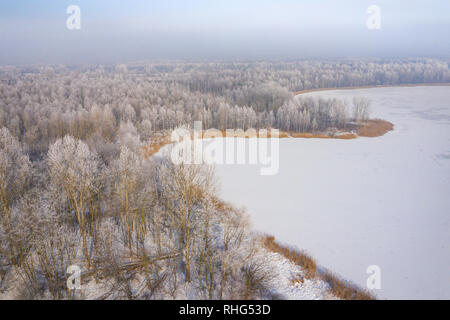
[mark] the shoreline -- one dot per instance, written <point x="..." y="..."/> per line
<point x="153" y="148"/>
<point x="371" y="128"/>
<point x="340" y="287"/>
<point x="387" y="126"/>
<point x="431" y="84"/>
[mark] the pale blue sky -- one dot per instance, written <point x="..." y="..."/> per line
<point x="119" y="31"/>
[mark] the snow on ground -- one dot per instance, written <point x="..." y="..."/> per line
<point x="370" y="201"/>
<point x="283" y="287"/>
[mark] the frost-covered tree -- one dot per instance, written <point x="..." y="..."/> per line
<point x="186" y="187"/>
<point x="132" y="193"/>
<point x="15" y="174"/>
<point x="77" y="172"/>
<point x="361" y="108"/>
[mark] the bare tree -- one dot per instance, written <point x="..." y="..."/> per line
<point x="361" y="109"/>
<point x="186" y="187"/>
<point x="77" y="172"/>
<point x="15" y="173"/>
<point x="133" y="189"/>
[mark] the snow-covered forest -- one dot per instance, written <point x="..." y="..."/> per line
<point x="76" y="189"/>
<point x="101" y="104"/>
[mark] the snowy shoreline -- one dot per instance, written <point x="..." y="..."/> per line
<point x="376" y="192"/>
<point x="406" y="85"/>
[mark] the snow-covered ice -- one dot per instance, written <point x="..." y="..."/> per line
<point x="370" y="201"/>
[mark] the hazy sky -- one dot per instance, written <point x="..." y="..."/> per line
<point x="120" y="31"/>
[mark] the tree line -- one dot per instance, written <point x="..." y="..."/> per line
<point x="102" y="104"/>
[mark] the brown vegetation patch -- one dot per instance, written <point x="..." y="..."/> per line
<point x="281" y="134"/>
<point x="346" y="135"/>
<point x="309" y="135"/>
<point x="296" y="280"/>
<point x="338" y="287"/>
<point x="375" y="128"/>
<point x="344" y="289"/>
<point x="155" y="146"/>
<point x="299" y="258"/>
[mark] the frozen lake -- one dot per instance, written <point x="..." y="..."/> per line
<point x="371" y="201"/>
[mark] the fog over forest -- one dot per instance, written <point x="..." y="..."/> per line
<point x="117" y="32"/>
